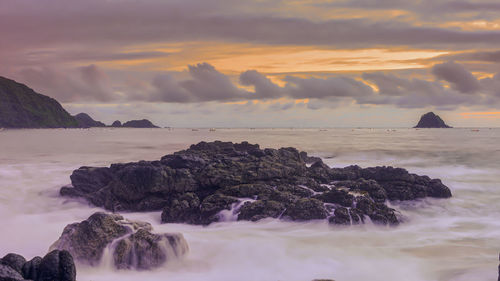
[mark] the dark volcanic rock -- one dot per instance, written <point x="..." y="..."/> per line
<point x="86" y="240"/>
<point x="145" y="250"/>
<point x="117" y="123"/>
<point x="85" y="121"/>
<point x="306" y="209"/>
<point x="14" y="261"/>
<point x="31" y="268"/>
<point x="195" y="185"/>
<point x="261" y="209"/>
<point x="144" y="123"/>
<point x="7" y="273"/>
<point x="136" y="247"/>
<point x="55" y="266"/>
<point x="21" y="107"/>
<point x="431" y="120"/>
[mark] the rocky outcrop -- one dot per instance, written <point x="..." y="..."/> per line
<point x="144" y="123"/>
<point x="21" y="107"/>
<point x="85" y="121"/>
<point x="431" y="120"/>
<point x="55" y="266"/>
<point x="117" y="123"/>
<point x="208" y="181"/>
<point x="131" y="243"/>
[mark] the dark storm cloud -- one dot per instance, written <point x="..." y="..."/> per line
<point x="456" y="74"/>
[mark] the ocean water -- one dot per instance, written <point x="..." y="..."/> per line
<point x="441" y="239"/>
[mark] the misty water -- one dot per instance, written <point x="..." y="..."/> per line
<point x="441" y="239"/>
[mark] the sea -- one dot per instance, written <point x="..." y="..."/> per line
<point x="456" y="239"/>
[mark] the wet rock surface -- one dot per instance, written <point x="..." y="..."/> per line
<point x="131" y="243"/>
<point x="198" y="184"/>
<point x="55" y="266"/>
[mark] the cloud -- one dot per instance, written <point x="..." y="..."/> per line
<point x="482" y="56"/>
<point x="264" y="88"/>
<point x="205" y="84"/>
<point x="332" y="87"/>
<point x="456" y="74"/>
<point x="110" y="24"/>
<point x="81" y="84"/>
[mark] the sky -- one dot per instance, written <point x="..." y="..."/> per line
<point x="262" y="63"/>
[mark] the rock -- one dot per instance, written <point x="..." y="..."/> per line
<point x="196" y="184"/>
<point x="431" y="120"/>
<point x="131" y="243"/>
<point x="117" y="123"/>
<point x="144" y="250"/>
<point x="185" y="208"/>
<point x="85" y="121"/>
<point x="57" y="266"/>
<point x="261" y="209"/>
<point x="212" y="205"/>
<point x="30" y="268"/>
<point x="21" y="107"/>
<point x="87" y="240"/>
<point x="14" y="261"/>
<point x="343" y="216"/>
<point x="336" y="196"/>
<point x="306" y="209"/>
<point x="144" y="123"/>
<point x="7" y="273"/>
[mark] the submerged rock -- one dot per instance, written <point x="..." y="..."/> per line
<point x="131" y="243"/>
<point x="431" y="120"/>
<point x="55" y="266"/>
<point x="195" y="185"/>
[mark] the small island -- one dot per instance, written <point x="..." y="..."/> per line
<point x="431" y="120"/>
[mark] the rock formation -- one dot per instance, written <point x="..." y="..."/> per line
<point x="131" y="243"/>
<point x="85" y="121"/>
<point x="21" y="107"/>
<point x="195" y="185"/>
<point x="117" y="123"/>
<point x="55" y="266"/>
<point x="431" y="120"/>
<point x="144" y="123"/>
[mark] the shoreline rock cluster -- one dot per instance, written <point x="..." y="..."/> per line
<point x="199" y="184"/>
<point x="55" y="266"/>
<point x="131" y="243"/>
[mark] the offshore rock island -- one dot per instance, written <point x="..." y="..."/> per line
<point x="431" y="120"/>
<point x="220" y="181"/>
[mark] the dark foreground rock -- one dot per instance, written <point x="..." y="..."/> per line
<point x="55" y="266"/>
<point x="195" y="185"/>
<point x="131" y="243"/>
<point x="431" y="120"/>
